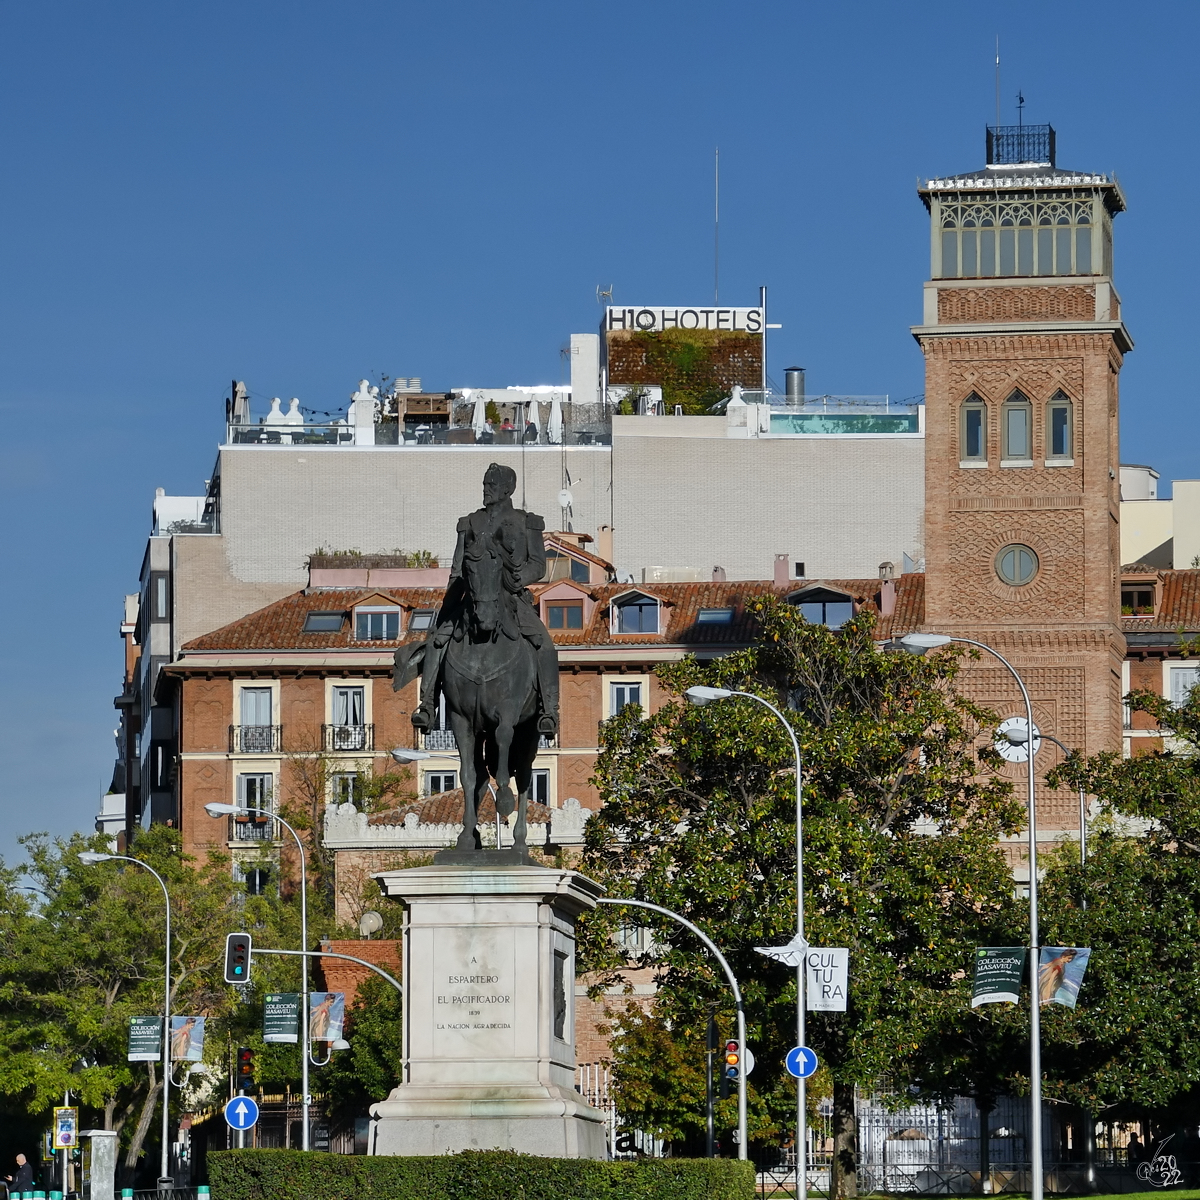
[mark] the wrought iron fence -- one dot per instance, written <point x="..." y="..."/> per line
<point x="251" y="827"/>
<point x="1020" y="144"/>
<point x="439" y="739"/>
<point x="348" y="737"/>
<point x="255" y="739"/>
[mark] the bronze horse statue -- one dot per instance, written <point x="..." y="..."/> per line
<point x="490" y="657"/>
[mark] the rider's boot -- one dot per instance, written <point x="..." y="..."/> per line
<point x="547" y="661"/>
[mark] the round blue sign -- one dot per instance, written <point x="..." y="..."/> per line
<point x="241" y="1112"/>
<point x="801" y="1062"/>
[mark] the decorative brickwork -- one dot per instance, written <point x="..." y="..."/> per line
<point x="1004" y="304"/>
<point x="1061" y="630"/>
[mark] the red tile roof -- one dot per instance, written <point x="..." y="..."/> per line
<point x="280" y="626"/>
<point x="1178" y="606"/>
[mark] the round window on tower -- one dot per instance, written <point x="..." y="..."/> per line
<point x="1016" y="565"/>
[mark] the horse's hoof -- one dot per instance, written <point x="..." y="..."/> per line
<point x="505" y="800"/>
<point x="466" y="841"/>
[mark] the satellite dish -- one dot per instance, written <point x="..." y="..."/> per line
<point x="370" y="922"/>
<point x="564" y="499"/>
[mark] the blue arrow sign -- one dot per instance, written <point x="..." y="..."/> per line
<point x="241" y="1112"/>
<point x="801" y="1062"/>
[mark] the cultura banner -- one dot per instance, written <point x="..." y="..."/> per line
<point x="998" y="974"/>
<point x="1060" y="973"/>
<point x="827" y="979"/>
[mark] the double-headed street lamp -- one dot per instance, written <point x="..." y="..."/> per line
<point x="704" y="695"/>
<point x="89" y="857"/>
<point x="919" y="643"/>
<point x="222" y="810"/>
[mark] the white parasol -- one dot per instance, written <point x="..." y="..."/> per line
<point x="479" y="415"/>
<point x="554" y="427"/>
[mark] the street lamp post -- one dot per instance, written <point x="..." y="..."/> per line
<point x="221" y="810"/>
<point x="701" y="695"/>
<point x="743" y="1148"/>
<point x="919" y="643"/>
<point x="165" y="1180"/>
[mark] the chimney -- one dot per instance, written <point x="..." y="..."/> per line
<point x="718" y="575"/>
<point x="887" y="589"/>
<point x="781" y="570"/>
<point x="794" y="386"/>
<point x="604" y="542"/>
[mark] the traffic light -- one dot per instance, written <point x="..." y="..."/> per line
<point x="237" y="958"/>
<point x="731" y="1066"/>
<point x="245" y="1070"/>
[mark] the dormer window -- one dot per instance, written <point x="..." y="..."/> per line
<point x="564" y="615"/>
<point x="323" y="622"/>
<point x="376" y="624"/>
<point x="823" y="606"/>
<point x="635" y="614"/>
<point x="564" y="566"/>
<point x="1137" y="598"/>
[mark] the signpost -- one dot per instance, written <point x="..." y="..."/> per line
<point x="801" y="1062"/>
<point x="281" y="1017"/>
<point x="241" y="1113"/>
<point x="145" y="1039"/>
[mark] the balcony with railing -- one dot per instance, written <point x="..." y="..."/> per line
<point x="251" y="827"/>
<point x="847" y="414"/>
<point x="439" y="740"/>
<point x="348" y="737"/>
<point x="255" y="739"/>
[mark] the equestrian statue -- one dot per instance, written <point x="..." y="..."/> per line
<point x="490" y="657"/>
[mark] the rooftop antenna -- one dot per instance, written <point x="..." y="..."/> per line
<point x="997" y="81"/>
<point x="716" y="224"/>
<point x="602" y="295"/>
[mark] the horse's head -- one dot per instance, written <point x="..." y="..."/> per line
<point x="484" y="587"/>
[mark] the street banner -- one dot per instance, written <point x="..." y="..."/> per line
<point x="281" y="1017"/>
<point x="1060" y="973"/>
<point x="998" y="974"/>
<point x="187" y="1039"/>
<point x="66" y="1128"/>
<point x="827" y="981"/>
<point x="145" y="1039"/>
<point x="327" y="1012"/>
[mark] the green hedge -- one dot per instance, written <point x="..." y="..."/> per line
<point x="472" y="1175"/>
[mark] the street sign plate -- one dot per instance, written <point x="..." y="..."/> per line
<point x="241" y="1112"/>
<point x="801" y="1062"/>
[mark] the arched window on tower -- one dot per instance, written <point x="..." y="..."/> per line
<point x="973" y="430"/>
<point x="1016" y="430"/>
<point x="1060" y="428"/>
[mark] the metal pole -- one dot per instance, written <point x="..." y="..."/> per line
<point x="801" y="1084"/>
<point x="164" y="1166"/>
<point x="762" y="304"/>
<point x="737" y="997"/>
<point x="1035" y="1016"/>
<point x="711" y="1049"/>
<point x="306" y="1100"/>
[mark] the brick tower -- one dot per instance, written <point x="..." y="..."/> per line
<point x="1023" y="344"/>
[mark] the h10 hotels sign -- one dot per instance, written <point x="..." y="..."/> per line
<point x="654" y="320"/>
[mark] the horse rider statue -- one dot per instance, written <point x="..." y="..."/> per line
<point x="512" y="537"/>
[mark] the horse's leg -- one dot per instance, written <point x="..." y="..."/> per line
<point x="505" y="802"/>
<point x="524" y="751"/>
<point x="464" y="735"/>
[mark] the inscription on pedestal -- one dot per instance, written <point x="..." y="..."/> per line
<point x="474" y="1009"/>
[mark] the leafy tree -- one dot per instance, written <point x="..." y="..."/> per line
<point x="901" y="824"/>
<point x="86" y="957"/>
<point x="1132" y="1045"/>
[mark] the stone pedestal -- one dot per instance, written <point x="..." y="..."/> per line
<point x="489" y="1014"/>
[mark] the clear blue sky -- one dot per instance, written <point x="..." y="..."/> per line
<point x="298" y="194"/>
